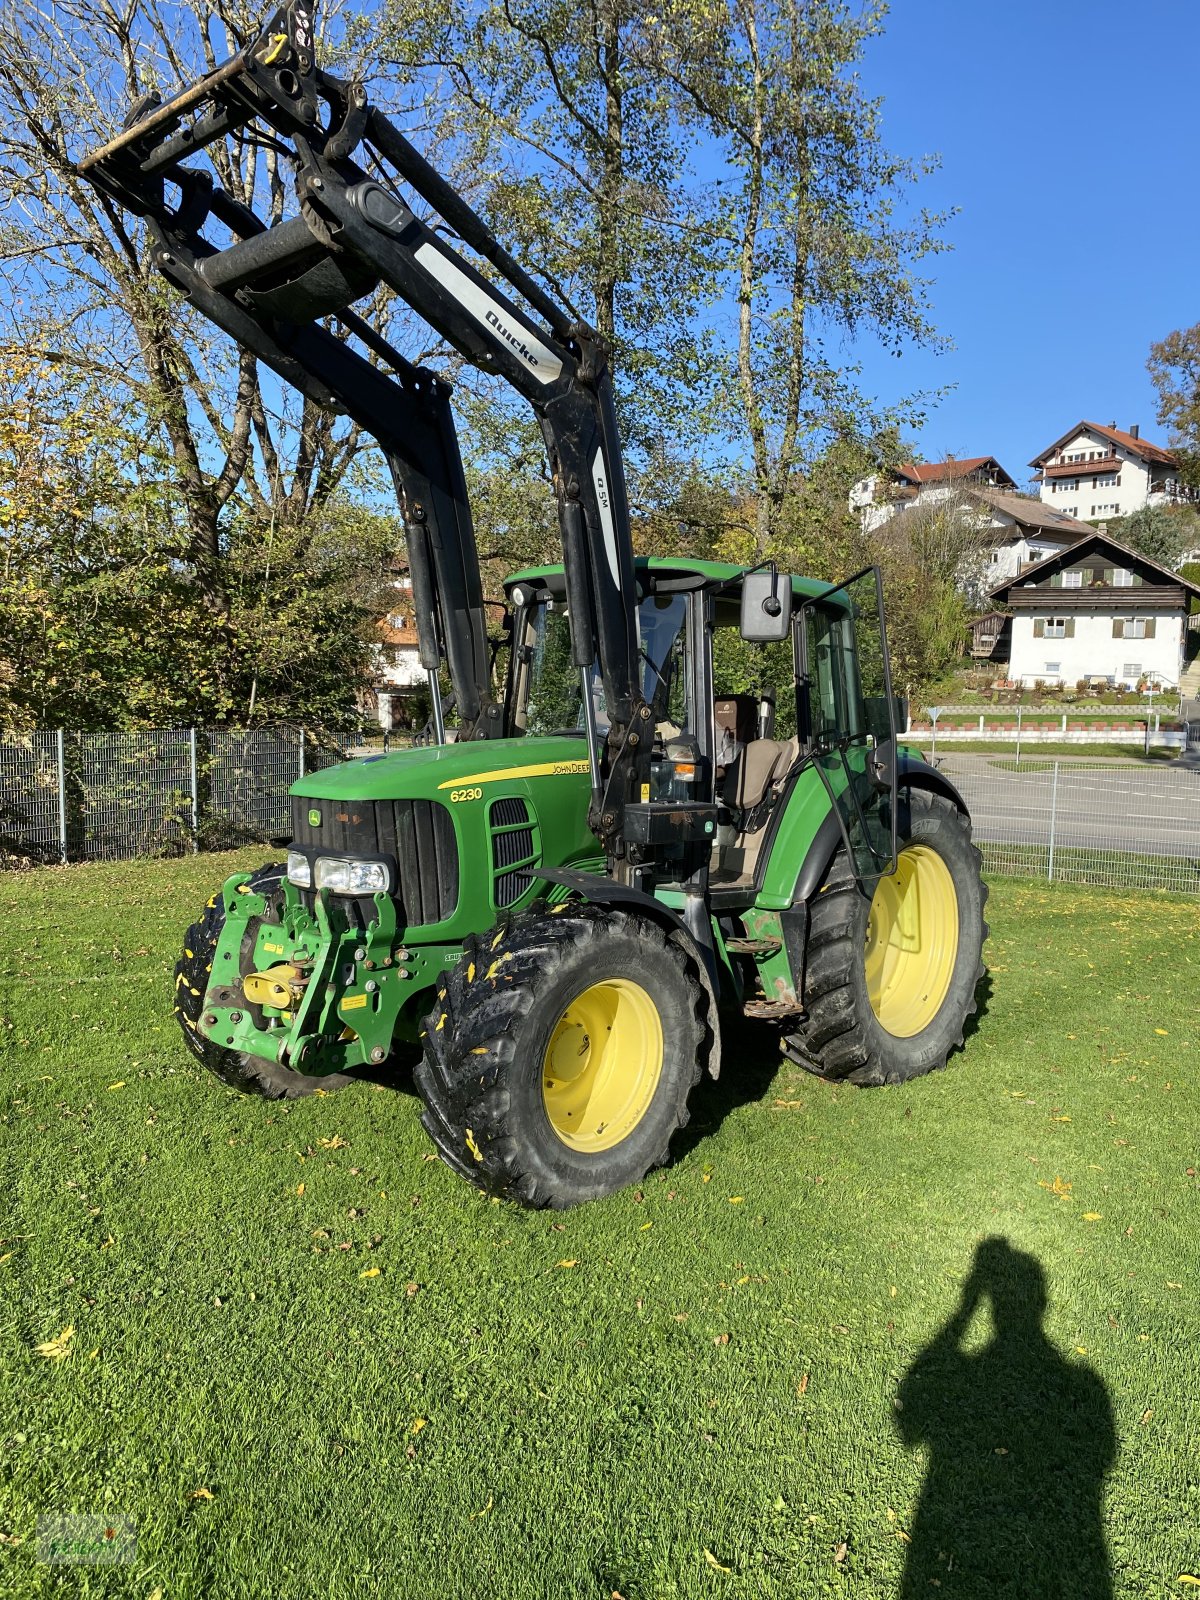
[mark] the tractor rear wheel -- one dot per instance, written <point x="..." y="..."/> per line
<point x="560" y="1054"/>
<point x="250" y="1074"/>
<point x="891" y="975"/>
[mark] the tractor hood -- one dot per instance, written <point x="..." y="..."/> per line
<point x="434" y="771"/>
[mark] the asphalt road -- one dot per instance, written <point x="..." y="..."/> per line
<point x="1141" y="810"/>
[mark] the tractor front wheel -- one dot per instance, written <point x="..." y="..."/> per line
<point x="250" y="1074"/>
<point x="561" y="1052"/>
<point x="891" y="973"/>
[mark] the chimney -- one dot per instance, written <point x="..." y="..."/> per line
<point x="1135" y="429"/>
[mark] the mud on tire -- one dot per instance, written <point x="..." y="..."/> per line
<point x="494" y="1022"/>
<point x="250" y="1074"/>
<point x="841" y="1037"/>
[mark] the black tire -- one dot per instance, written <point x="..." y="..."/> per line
<point x="488" y="1036"/>
<point x="250" y="1074"/>
<point x="841" y="1037"/>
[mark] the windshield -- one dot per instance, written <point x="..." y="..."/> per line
<point x="549" y="682"/>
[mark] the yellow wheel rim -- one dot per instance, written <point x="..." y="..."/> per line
<point x="602" y="1065"/>
<point x="912" y="942"/>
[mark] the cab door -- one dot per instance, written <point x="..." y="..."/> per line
<point x="850" y="715"/>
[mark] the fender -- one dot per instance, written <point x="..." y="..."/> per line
<point x="601" y="891"/>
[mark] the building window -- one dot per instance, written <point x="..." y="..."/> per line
<point x="1122" y="578"/>
<point x="1132" y="669"/>
<point x="1072" y="580"/>
<point x="1056" y="628"/>
<point x="1054" y="666"/>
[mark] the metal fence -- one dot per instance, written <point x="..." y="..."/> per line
<point x="70" y="796"/>
<point x="1116" y="824"/>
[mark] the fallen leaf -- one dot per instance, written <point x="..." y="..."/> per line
<point x="411" y="1289"/>
<point x="202" y="1494"/>
<point x="1092" y="1216"/>
<point x="573" y="1262"/>
<point x="371" y="1272"/>
<point x="157" y="1595"/>
<point x="336" y="1143"/>
<point x="892" y="1292"/>
<point x="706" y="1177"/>
<point x="1171" y="1285"/>
<point x="11" y="1538"/>
<point x="113" y="1086"/>
<point x="56" y="1349"/>
<point x="736" y="1199"/>
<point x="486" y="1509"/>
<point x="802" y="1386"/>
<point x="1163" y="1032"/>
<point x="714" y="1563"/>
<point x="7" y="1257"/>
<point x="1186" y="1577"/>
<point x="299" y="1188"/>
<point x="1081" y="1349"/>
<point x="1147" y="1414"/>
<point x="842" y="1551"/>
<point x="644" y="1226"/>
<point x="417" y="1424"/>
<point x="1000" y="1450"/>
<point x="1059" y="1186"/>
<point x="92" y="1354"/>
<point x="721" y="1338"/>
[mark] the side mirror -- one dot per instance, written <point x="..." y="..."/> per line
<point x="766" y="607"/>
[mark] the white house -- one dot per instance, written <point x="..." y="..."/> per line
<point x="1095" y="471"/>
<point x="398" y="670"/>
<point x="883" y="494"/>
<point x="1012" y="530"/>
<point x="1097" y="610"/>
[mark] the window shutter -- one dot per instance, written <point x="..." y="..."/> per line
<point x="1039" y="627"/>
<point x="1149" y="634"/>
<point x="1109" y="574"/>
<point x="1056" y="580"/>
<point x="1070" y="629"/>
<point x="1118" y="627"/>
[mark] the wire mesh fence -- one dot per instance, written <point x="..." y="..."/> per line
<point x="72" y="796"/>
<point x="1121" y="826"/>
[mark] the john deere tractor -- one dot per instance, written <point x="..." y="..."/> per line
<point x="688" y="801"/>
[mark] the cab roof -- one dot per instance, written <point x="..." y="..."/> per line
<point x="676" y="567"/>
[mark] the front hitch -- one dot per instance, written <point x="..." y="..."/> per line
<point x="300" y="984"/>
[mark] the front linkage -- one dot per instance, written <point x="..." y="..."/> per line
<point x="301" y="985"/>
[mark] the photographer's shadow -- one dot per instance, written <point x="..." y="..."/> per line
<point x="1019" y="1440"/>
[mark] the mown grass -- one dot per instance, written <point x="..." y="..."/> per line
<point x="691" y="1389"/>
<point x="1038" y="751"/>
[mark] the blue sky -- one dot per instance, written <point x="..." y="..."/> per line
<point x="1068" y="138"/>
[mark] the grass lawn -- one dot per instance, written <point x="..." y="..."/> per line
<point x="1039" y="751"/>
<point x="307" y="1361"/>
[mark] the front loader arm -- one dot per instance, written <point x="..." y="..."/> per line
<point x="274" y="290"/>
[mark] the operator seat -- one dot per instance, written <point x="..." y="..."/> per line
<point x="750" y="787"/>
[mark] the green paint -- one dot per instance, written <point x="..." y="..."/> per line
<point x="314" y="819"/>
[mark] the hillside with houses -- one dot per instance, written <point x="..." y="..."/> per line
<point x="1064" y="596"/>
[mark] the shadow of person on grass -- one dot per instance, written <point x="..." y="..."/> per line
<point x="1019" y="1440"/>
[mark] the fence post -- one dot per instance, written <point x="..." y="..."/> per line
<point x="195" y="792"/>
<point x="301" y="752"/>
<point x="62" y="799"/>
<point x="1053" y="815"/>
<point x="1018" y="736"/>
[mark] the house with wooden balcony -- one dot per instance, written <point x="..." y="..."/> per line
<point x="883" y="494"/>
<point x="1097" y="612"/>
<point x="398" y="671"/>
<point x="1094" y="472"/>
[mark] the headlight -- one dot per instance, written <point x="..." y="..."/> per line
<point x="299" y="869"/>
<point x="351" y="877"/>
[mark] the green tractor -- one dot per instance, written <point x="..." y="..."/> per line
<point x="568" y="897"/>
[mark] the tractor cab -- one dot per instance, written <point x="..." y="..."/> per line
<point x="736" y="716"/>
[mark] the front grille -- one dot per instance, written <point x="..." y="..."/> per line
<point x="417" y="834"/>
<point x="514" y="850"/>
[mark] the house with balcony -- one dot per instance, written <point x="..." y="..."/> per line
<point x="1094" y="472"/>
<point x="883" y="494"/>
<point x="1096" y="611"/>
<point x="398" y="671"/>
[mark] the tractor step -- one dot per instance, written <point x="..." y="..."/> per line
<point x="753" y="947"/>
